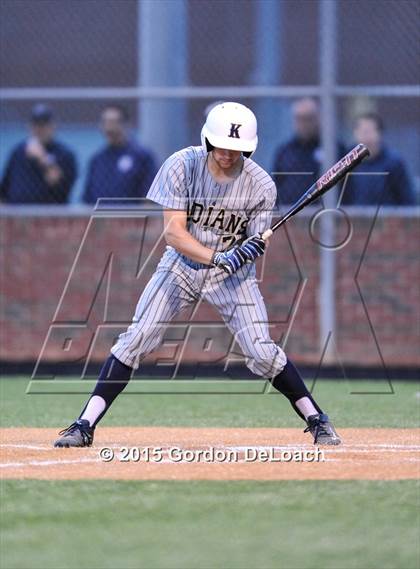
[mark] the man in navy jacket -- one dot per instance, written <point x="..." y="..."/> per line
<point x="40" y="169"/>
<point x="123" y="169"/>
<point x="297" y="164"/>
<point x="381" y="179"/>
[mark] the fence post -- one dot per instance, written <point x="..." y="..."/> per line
<point x="326" y="299"/>
<point x="162" y="26"/>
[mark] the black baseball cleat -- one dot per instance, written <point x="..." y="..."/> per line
<point x="322" y="430"/>
<point x="79" y="434"/>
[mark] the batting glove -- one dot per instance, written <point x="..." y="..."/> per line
<point x="253" y="247"/>
<point x="233" y="259"/>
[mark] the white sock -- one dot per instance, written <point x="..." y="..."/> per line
<point x="306" y="407"/>
<point x="93" y="409"/>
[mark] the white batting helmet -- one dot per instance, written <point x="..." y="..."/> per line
<point x="230" y="126"/>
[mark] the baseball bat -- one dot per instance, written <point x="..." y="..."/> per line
<point x="323" y="184"/>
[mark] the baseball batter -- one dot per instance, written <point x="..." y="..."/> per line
<point x="216" y="202"/>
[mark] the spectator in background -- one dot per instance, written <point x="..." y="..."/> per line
<point x="394" y="186"/>
<point x="123" y="169"/>
<point x="300" y="158"/>
<point x="40" y="169"/>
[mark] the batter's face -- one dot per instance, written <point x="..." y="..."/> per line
<point x="226" y="159"/>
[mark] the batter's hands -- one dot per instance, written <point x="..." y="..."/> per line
<point x="233" y="259"/>
<point x="254" y="247"/>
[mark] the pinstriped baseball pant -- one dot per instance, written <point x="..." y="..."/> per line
<point x="237" y="298"/>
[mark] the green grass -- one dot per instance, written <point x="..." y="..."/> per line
<point x="305" y="525"/>
<point x="347" y="409"/>
<point x="166" y="524"/>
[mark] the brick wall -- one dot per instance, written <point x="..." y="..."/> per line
<point x="378" y="293"/>
<point x="70" y="284"/>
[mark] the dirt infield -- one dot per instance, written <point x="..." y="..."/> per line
<point x="212" y="454"/>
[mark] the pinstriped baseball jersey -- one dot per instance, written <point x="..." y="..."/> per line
<point x="218" y="215"/>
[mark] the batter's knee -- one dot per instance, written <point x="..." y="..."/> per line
<point x="136" y="343"/>
<point x="266" y="360"/>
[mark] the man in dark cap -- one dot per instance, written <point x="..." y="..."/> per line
<point x="40" y="169"/>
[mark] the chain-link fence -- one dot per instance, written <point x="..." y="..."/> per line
<point x="166" y="60"/>
<point x="156" y="65"/>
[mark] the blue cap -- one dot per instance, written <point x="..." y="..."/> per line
<point x="41" y="113"/>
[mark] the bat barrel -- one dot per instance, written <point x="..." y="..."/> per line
<point x="341" y="168"/>
<point x="326" y="181"/>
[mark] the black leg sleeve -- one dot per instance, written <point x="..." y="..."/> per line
<point x="290" y="383"/>
<point x="112" y="380"/>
